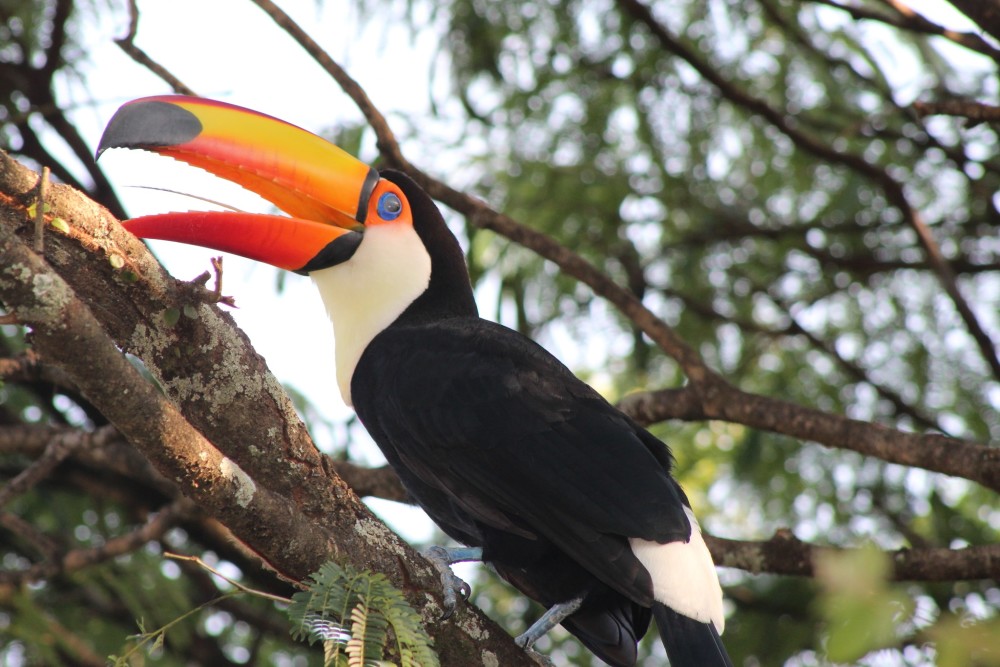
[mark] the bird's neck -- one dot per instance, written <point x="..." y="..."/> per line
<point x="389" y="271"/>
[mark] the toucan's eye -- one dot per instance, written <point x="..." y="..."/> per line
<point x="389" y="206"/>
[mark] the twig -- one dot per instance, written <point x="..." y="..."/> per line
<point x="198" y="290"/>
<point x="127" y="44"/>
<point x="232" y="582"/>
<point x="976" y="112"/>
<point x="905" y="18"/>
<point x="46" y="546"/>
<point x="157" y="635"/>
<point x="217" y="267"/>
<point x="55" y="452"/>
<point x="43" y="179"/>
<point x="78" y="559"/>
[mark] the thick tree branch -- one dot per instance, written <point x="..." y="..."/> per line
<point x="260" y="473"/>
<point x="63" y="326"/>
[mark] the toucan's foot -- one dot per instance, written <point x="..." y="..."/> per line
<point x="453" y="586"/>
<point x="550" y="619"/>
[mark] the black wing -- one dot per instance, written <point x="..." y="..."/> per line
<point x="488" y="430"/>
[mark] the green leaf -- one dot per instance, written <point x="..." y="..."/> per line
<point x="862" y="610"/>
<point x="171" y="316"/>
<point x="961" y="643"/>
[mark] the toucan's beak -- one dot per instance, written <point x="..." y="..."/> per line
<point x="327" y="192"/>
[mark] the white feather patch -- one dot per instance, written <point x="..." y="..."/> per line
<point x="684" y="576"/>
<point x="365" y="294"/>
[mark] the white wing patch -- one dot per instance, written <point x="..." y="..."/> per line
<point x="365" y="294"/>
<point x="684" y="576"/>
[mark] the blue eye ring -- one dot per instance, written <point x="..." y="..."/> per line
<point x="389" y="206"/>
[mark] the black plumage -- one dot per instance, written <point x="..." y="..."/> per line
<point x="508" y="450"/>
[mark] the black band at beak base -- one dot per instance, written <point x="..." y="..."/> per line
<point x="371" y="180"/>
<point x="336" y="252"/>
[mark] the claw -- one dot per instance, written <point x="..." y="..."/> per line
<point x="453" y="587"/>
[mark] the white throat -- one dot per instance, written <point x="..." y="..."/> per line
<point x="365" y="294"/>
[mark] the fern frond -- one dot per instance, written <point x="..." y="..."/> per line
<point x="340" y="596"/>
<point x="359" y="636"/>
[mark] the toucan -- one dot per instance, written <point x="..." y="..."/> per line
<point x="511" y="454"/>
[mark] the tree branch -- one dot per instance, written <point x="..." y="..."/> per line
<point x="905" y="18"/>
<point x="786" y="554"/>
<point x="56" y="450"/>
<point x="63" y="326"/>
<point x="127" y="44"/>
<point x="976" y="112"/>
<point x="985" y="13"/>
<point x="937" y="453"/>
<point x="77" y="559"/>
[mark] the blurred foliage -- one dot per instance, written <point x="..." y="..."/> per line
<point x="790" y="268"/>
<point x="863" y="612"/>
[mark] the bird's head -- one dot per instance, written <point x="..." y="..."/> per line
<point x="375" y="244"/>
<point x="329" y="196"/>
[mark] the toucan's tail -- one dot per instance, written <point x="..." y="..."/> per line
<point x="689" y="643"/>
<point x="610" y="625"/>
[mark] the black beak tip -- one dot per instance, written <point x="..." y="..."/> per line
<point x="149" y="124"/>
